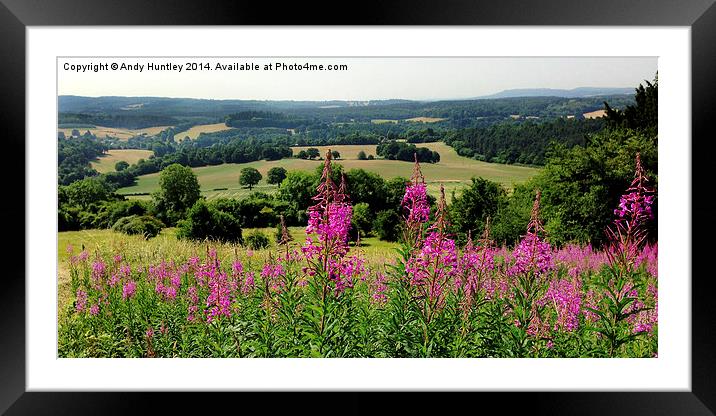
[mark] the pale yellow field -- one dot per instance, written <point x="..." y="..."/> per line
<point x="595" y="114"/>
<point x="106" y="163"/>
<point x="151" y="131"/>
<point x="347" y="151"/>
<point x="121" y="134"/>
<point x="194" y="132"/>
<point x="99" y="131"/>
<point x="382" y="121"/>
<point x="425" y="119"/>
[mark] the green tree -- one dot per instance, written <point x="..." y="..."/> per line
<point x="335" y="154"/>
<point x="276" y="175"/>
<point x="387" y="225"/>
<point x="313" y="153"/>
<point x="363" y="218"/>
<point x="471" y="208"/>
<point x="178" y="191"/>
<point x="296" y="191"/>
<point x="204" y="221"/>
<point x="362" y="155"/>
<point x="249" y="177"/>
<point x="84" y="192"/>
<point x="121" y="165"/>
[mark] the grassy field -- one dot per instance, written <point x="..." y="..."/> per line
<point x="122" y="134"/>
<point x="194" y="132"/>
<point x="453" y="171"/>
<point x="106" y="163"/>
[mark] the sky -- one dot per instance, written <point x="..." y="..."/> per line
<point x="421" y="78"/>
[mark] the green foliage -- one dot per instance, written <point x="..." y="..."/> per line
<point x="249" y="177"/>
<point x="205" y="221"/>
<point x="474" y="205"/>
<point x="276" y="175"/>
<point x="362" y="155"/>
<point x="85" y="192"/>
<point x="387" y="225"/>
<point x="393" y="150"/>
<point x="581" y="186"/>
<point x="297" y="190"/>
<point x="643" y="115"/>
<point x="363" y="219"/>
<point x="144" y="225"/>
<point x="178" y="191"/>
<point x="121" y="165"/>
<point x="256" y="240"/>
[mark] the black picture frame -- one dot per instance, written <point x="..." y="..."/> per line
<point x="699" y="15"/>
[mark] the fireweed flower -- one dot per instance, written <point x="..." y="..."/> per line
<point x="378" y="289"/>
<point x="273" y="274"/>
<point x="415" y="205"/>
<point x="94" y="309"/>
<point x="193" y="303"/>
<point x="565" y="298"/>
<point x="532" y="254"/>
<point x="628" y="233"/>
<point x="98" y="268"/>
<point x="219" y="300"/>
<point x="81" y="302"/>
<point x="476" y="264"/>
<point x="129" y="289"/>
<point x="435" y="263"/>
<point x="329" y="221"/>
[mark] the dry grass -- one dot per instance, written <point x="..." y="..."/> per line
<point x="119" y="133"/>
<point x="106" y="163"/>
<point x="595" y="114"/>
<point x="425" y="119"/>
<point x="195" y="131"/>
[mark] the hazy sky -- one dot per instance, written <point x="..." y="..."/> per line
<point x="366" y="78"/>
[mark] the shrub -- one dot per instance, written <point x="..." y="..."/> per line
<point x="204" y="221"/>
<point x="387" y="225"/>
<point x="256" y="240"/>
<point x="145" y="225"/>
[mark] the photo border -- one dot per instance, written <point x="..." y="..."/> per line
<point x="15" y="15"/>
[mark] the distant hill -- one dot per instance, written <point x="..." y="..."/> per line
<point x="552" y="92"/>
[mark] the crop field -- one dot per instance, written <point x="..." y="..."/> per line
<point x="119" y="133"/>
<point x="595" y="114"/>
<point x="347" y="151"/>
<point x="453" y="171"/>
<point x="106" y="163"/>
<point x="195" y="131"/>
<point x="425" y="119"/>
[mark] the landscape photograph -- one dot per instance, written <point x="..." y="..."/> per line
<point x="357" y="207"/>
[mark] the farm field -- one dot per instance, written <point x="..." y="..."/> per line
<point x="119" y="133"/>
<point x="106" y="163"/>
<point x="453" y="171"/>
<point x="425" y="119"/>
<point x="195" y="131"/>
<point x="595" y="114"/>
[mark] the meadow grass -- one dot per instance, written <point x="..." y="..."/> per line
<point x="453" y="171"/>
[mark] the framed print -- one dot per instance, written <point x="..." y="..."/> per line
<point x="465" y="208"/>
